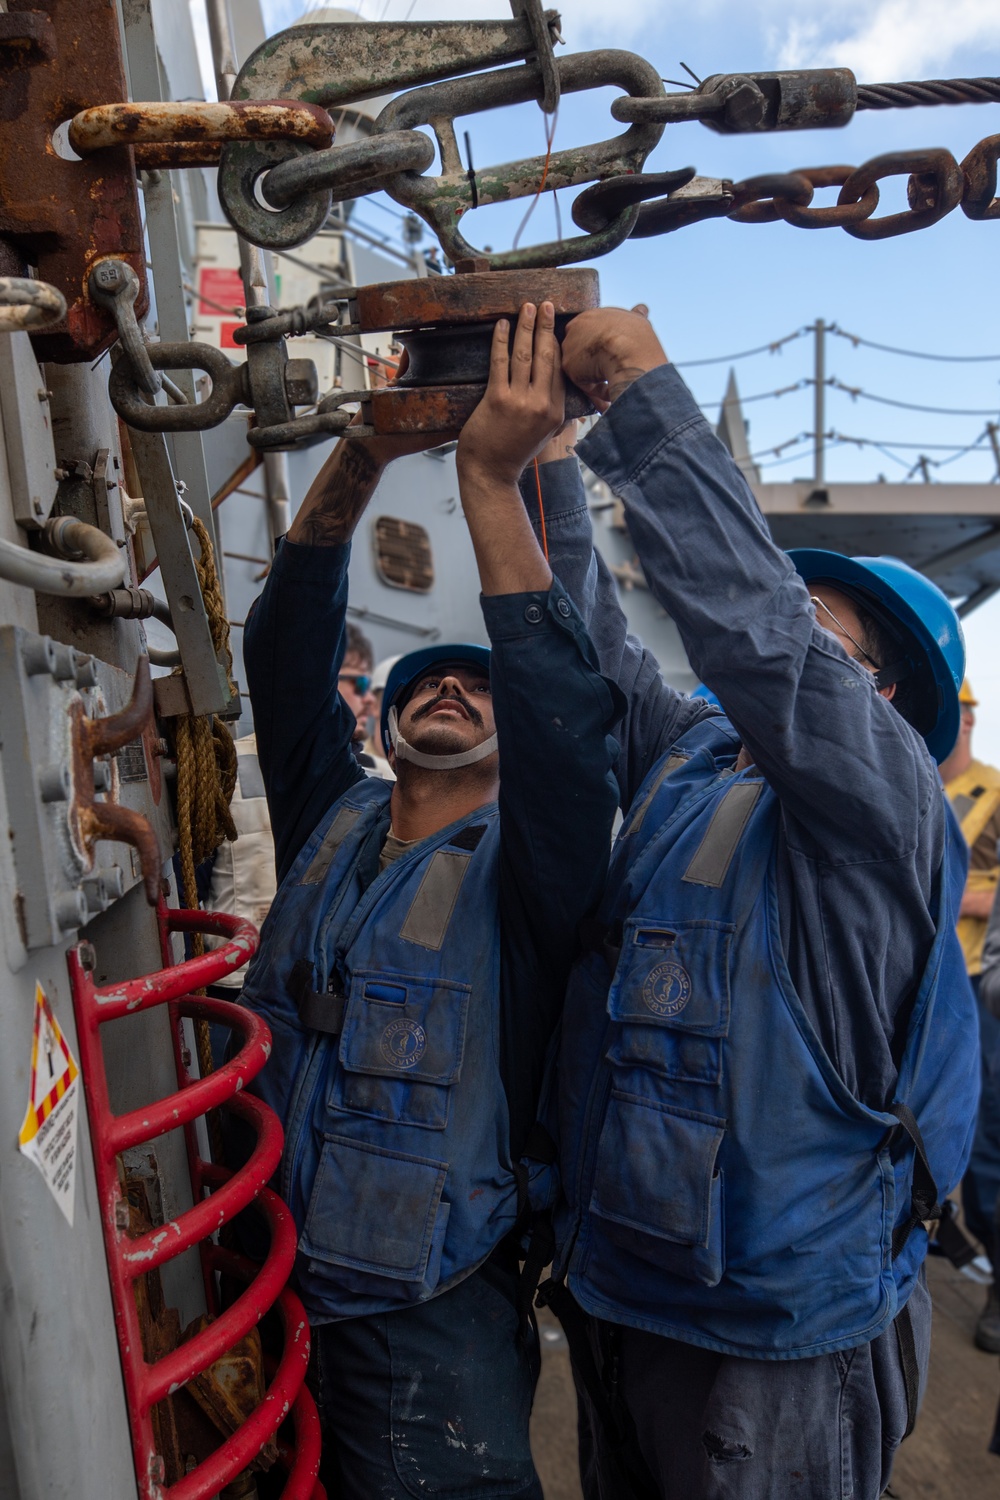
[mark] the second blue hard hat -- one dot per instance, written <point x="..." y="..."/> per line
<point x="923" y="620"/>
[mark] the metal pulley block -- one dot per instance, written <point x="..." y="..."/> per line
<point x="446" y="324"/>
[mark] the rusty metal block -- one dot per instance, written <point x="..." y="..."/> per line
<point x="475" y="297"/>
<point x="58" y="57"/>
<point x="446" y="326"/>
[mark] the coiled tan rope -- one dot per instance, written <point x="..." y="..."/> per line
<point x="206" y="780"/>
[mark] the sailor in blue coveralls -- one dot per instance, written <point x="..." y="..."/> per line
<point x="414" y="961"/>
<point x="768" y="1071"/>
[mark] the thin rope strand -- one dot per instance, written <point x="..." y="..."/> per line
<point x="541" y="512"/>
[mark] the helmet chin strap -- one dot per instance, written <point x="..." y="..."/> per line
<point x="405" y="751"/>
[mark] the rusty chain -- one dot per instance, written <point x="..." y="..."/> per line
<point x="936" y="184"/>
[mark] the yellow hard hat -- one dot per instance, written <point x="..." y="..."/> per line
<point x="967" y="696"/>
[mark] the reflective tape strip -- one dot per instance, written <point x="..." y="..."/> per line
<point x="335" y="836"/>
<point x="670" y="765"/>
<point x="963" y="806"/>
<point x="430" y="911"/>
<point x="711" y="860"/>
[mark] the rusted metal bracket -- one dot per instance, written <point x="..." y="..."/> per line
<point x="64" y="215"/>
<point x="90" y="820"/>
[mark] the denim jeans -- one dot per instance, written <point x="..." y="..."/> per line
<point x="713" y="1427"/>
<point x="430" y="1400"/>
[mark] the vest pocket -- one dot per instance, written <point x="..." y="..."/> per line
<point x="670" y="998"/>
<point x="378" y="1213"/>
<point x="401" y="1048"/>
<point x="656" y="1188"/>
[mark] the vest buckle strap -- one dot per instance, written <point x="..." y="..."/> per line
<point x="319" y="1010"/>
<point x="924" y="1204"/>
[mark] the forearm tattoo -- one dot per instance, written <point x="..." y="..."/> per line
<point x="622" y="381"/>
<point x="333" y="512"/>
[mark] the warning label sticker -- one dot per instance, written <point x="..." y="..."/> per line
<point x="48" y="1135"/>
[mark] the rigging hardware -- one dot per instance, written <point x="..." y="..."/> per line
<point x="190" y="134"/>
<point x="334" y="64"/>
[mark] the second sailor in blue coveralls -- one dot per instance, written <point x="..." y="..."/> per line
<point x="414" y="961"/>
<point x="769" y="1059"/>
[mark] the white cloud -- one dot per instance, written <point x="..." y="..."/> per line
<point x="894" y="39"/>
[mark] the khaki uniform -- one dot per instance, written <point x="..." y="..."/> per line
<point x="975" y="798"/>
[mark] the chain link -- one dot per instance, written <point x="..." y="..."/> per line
<point x="936" y="184"/>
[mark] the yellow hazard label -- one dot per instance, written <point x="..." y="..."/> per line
<point x="48" y="1133"/>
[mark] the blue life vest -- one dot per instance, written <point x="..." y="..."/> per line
<point x="724" y="1186"/>
<point x="396" y="1165"/>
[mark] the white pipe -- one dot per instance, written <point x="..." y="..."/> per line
<point x="93" y="565"/>
<point x="26" y="303"/>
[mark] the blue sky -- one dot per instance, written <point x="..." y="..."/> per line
<point x="721" y="287"/>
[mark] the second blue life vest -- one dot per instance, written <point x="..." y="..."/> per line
<point x="725" y="1188"/>
<point x="382" y="994"/>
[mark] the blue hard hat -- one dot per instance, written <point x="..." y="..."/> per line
<point x="415" y="663"/>
<point x="919" y="615"/>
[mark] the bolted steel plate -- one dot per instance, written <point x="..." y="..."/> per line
<point x="476" y="297"/>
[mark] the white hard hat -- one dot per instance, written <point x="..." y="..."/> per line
<point x="380" y="676"/>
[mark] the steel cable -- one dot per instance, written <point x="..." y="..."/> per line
<point x="928" y="92"/>
<point x="722" y="359"/>
<point x="940" y="411"/>
<point x="951" y="359"/>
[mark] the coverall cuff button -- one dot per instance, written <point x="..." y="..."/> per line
<point x="563" y="606"/>
<point x="533" y="614"/>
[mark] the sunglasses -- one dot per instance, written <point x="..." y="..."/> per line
<point x="361" y="680"/>
<point x="843" y="629"/>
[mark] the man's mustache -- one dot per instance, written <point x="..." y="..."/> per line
<point x="456" y="697"/>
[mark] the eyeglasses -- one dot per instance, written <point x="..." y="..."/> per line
<point x="361" y="680"/>
<point x="843" y="630"/>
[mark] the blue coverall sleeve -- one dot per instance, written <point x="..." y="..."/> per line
<point x="293" y="649"/>
<point x="854" y="778"/>
<point x="554" y="716"/>
<point x="656" y="714"/>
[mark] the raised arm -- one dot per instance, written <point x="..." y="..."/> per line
<point x="846" y="766"/>
<point x="294" y="646"/>
<point x="554" y="711"/>
<point x="657" y="714"/>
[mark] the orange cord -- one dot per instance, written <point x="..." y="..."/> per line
<point x="541" y="512"/>
<point x="550" y="135"/>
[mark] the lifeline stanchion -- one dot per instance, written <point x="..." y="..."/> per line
<point x="130" y="1258"/>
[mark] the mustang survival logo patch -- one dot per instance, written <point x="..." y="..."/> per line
<point x="667" y="989"/>
<point x="403" y="1044"/>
